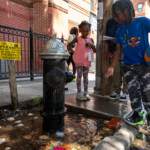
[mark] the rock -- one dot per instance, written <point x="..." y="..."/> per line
<point x="60" y="134"/>
<point x="2" y="140"/>
<point x="69" y="130"/>
<point x="10" y="119"/>
<point x="19" y="125"/>
<point x="75" y="133"/>
<point x="7" y="148"/>
<point x="18" y="121"/>
<point x="44" y="137"/>
<point x="27" y="137"/>
<point x="30" y="114"/>
<point x="35" y="118"/>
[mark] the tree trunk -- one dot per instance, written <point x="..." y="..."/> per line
<point x="105" y="83"/>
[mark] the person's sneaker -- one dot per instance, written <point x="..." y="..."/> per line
<point x="148" y="122"/>
<point x="115" y="95"/>
<point x="123" y="97"/>
<point x="80" y="96"/>
<point x="135" y="119"/>
<point x="87" y="96"/>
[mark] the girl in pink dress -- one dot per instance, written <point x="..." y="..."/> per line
<point x="80" y="57"/>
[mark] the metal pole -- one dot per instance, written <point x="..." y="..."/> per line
<point x="31" y="55"/>
<point x="99" y="47"/>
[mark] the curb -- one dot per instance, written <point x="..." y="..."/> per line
<point x="24" y="104"/>
<point x="86" y="112"/>
<point x="121" y="140"/>
<point x="22" y="79"/>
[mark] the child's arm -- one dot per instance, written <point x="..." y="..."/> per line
<point x="92" y="46"/>
<point x="71" y="43"/>
<point x="117" y="53"/>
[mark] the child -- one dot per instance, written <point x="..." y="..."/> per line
<point x="118" y="76"/>
<point x="84" y="45"/>
<point x="133" y="38"/>
<point x="73" y="34"/>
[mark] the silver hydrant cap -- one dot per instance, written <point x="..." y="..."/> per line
<point x="54" y="49"/>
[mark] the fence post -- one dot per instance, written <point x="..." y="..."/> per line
<point x="31" y="55"/>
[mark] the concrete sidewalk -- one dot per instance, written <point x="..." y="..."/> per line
<point x="28" y="90"/>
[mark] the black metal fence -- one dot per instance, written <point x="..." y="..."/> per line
<point x="31" y="44"/>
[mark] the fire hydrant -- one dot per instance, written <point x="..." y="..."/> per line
<point x="54" y="56"/>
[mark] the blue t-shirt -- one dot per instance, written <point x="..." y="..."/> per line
<point x="134" y="40"/>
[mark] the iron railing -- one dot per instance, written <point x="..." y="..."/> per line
<point x="31" y="44"/>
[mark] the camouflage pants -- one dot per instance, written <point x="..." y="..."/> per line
<point x="138" y="80"/>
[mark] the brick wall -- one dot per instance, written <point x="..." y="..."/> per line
<point x="40" y="17"/>
<point x="15" y="15"/>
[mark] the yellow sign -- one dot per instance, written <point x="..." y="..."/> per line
<point x="10" y="51"/>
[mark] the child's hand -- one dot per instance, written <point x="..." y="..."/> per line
<point x="88" y="45"/>
<point x="92" y="46"/>
<point x="110" y="72"/>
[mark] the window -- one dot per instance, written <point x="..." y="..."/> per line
<point x="140" y="8"/>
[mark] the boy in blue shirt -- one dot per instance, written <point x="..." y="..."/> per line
<point x="132" y="37"/>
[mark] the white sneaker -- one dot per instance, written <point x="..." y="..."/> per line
<point x="80" y="96"/>
<point x="87" y="96"/>
<point x="115" y="95"/>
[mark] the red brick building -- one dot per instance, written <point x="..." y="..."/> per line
<point x="47" y="16"/>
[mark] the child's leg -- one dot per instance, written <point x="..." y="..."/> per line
<point x="74" y="67"/>
<point x="125" y="87"/>
<point x="133" y="87"/>
<point x="85" y="78"/>
<point x="79" y="76"/>
<point x="144" y="72"/>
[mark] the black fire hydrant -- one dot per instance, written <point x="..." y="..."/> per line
<point x="54" y="56"/>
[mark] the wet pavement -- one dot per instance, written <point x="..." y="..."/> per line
<point x="100" y="105"/>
